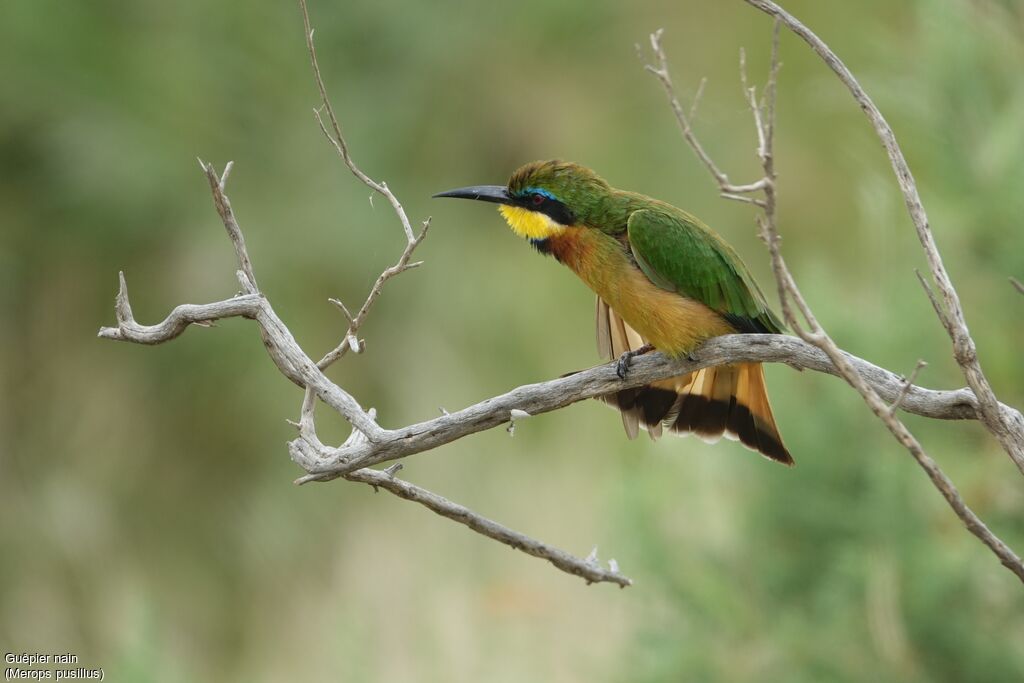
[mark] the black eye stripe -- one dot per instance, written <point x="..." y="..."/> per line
<point x="556" y="210"/>
<point x="560" y="213"/>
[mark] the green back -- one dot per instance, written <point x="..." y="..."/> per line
<point x="679" y="253"/>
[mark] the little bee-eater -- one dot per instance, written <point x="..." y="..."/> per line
<point x="663" y="279"/>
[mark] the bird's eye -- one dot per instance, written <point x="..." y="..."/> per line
<point x="537" y="198"/>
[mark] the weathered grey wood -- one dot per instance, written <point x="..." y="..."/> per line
<point x="956" y="404"/>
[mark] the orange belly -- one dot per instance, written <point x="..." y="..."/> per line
<point x="671" y="322"/>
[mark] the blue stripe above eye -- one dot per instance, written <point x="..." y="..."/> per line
<point x="540" y="190"/>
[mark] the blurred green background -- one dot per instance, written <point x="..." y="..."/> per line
<point x="149" y="523"/>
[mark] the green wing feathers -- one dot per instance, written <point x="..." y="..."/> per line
<point x="680" y="254"/>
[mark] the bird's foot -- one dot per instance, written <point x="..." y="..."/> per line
<point x="622" y="365"/>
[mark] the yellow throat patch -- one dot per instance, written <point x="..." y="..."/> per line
<point x="529" y="224"/>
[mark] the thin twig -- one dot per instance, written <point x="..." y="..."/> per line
<point x="591" y="572"/>
<point x="227" y="215"/>
<point x="756" y="201"/>
<point x="436" y="503"/>
<point x="413" y="240"/>
<point x="338" y="140"/>
<point x="1017" y="284"/>
<point x="750" y="94"/>
<point x="769" y="95"/>
<point x="940" y="312"/>
<point x="356" y="321"/>
<point x="344" y="310"/>
<point x="696" y="97"/>
<point x="661" y="72"/>
<point x="895" y="405"/>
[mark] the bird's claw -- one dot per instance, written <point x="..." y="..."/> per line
<point x="622" y="365"/>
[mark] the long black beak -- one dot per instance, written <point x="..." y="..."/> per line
<point x="485" y="193"/>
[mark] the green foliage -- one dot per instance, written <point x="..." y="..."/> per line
<point x="148" y="520"/>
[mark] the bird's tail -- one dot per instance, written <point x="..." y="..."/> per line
<point x="729" y="400"/>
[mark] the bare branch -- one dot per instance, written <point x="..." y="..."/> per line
<point x="696" y="96"/>
<point x="742" y="198"/>
<point x="661" y="73"/>
<point x="1010" y="434"/>
<point x="768" y="101"/>
<point x="356" y="321"/>
<point x="750" y="94"/>
<point x="304" y="452"/>
<point x="280" y="344"/>
<point x="940" y="312"/>
<point x="1017" y="284"/>
<point x="344" y="310"/>
<point x="558" y="393"/>
<point x="590" y="571"/>
<point x="814" y="333"/>
<point x="944" y="405"/>
<point x="220" y="200"/>
<point x="245" y="306"/>
<point x="337" y="139"/>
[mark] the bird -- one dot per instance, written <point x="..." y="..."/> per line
<point x="664" y="281"/>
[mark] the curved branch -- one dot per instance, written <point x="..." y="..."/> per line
<point x="1009" y="431"/>
<point x="178" y="320"/>
<point x="557" y="393"/>
<point x="956" y="404"/>
<point x="290" y="359"/>
<point x="587" y="569"/>
<point x="307" y="450"/>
